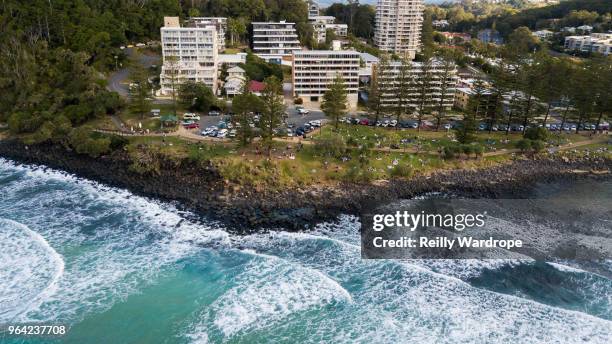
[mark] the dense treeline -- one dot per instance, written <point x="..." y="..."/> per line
<point x="359" y="18"/>
<point x="504" y="18"/>
<point x="97" y="28"/>
<point x="531" y="17"/>
<point x="243" y="12"/>
<point x="50" y="63"/>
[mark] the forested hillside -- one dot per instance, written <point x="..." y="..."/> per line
<point x="54" y="54"/>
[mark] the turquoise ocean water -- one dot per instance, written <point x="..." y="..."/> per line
<point x="119" y="268"/>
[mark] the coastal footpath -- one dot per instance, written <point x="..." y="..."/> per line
<point x="201" y="189"/>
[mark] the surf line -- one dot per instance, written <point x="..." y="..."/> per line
<point x="448" y="243"/>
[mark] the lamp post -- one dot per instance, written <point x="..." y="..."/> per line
<point x="116" y="58"/>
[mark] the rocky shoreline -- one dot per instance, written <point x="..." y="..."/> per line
<point x="202" y="190"/>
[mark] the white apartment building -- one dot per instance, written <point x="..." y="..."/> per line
<point x="416" y="77"/>
<point x="271" y="41"/>
<point x="313" y="9"/>
<point x="313" y="71"/>
<point x="220" y="24"/>
<point x="189" y="53"/>
<point x="543" y="34"/>
<point x="321" y="24"/>
<point x="398" y="26"/>
<point x="596" y="43"/>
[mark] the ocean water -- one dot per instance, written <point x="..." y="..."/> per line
<point x="119" y="268"/>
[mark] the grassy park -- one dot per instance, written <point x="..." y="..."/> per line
<point x="353" y="153"/>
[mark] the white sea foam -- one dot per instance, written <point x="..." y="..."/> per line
<point x="122" y="241"/>
<point x="269" y="291"/>
<point x="30" y="270"/>
<point x="404" y="302"/>
<point x="114" y="243"/>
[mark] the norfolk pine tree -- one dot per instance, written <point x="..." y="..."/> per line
<point x="334" y="103"/>
<point x="140" y="91"/>
<point x="273" y="109"/>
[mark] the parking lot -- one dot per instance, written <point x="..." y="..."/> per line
<point x="299" y="124"/>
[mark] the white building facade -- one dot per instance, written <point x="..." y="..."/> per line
<point x="220" y="24"/>
<point x="321" y="24"/>
<point x="189" y="54"/>
<point x="398" y="26"/>
<point x="272" y="41"/>
<point x="234" y="82"/>
<point x="595" y="43"/>
<point x="313" y="71"/>
<point x="313" y="9"/>
<point x="435" y="82"/>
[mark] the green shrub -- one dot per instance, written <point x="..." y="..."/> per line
<point x="450" y="152"/>
<point x="537" y="145"/>
<point x="524" y="145"/>
<point x="401" y="170"/>
<point x="467" y="149"/>
<point x="536" y="133"/>
<point x="358" y="174"/>
<point x="333" y="146"/>
<point x="80" y="139"/>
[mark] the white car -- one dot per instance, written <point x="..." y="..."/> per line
<point x="191" y="116"/>
<point x="222" y="133"/>
<point x="303" y="111"/>
<point x="315" y="123"/>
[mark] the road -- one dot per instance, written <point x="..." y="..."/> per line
<point x="118" y="81"/>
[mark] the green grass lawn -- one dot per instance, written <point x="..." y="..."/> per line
<point x="294" y="165"/>
<point x="131" y="119"/>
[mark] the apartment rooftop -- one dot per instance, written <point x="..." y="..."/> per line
<point x="325" y="52"/>
<point x="278" y="22"/>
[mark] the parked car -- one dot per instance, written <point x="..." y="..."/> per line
<point x="303" y="111"/>
<point x="447" y="126"/>
<point x="191" y="116"/>
<point x="222" y="133"/>
<point x="214" y="113"/>
<point x="393" y="123"/>
<point x="192" y="125"/>
<point x="315" y="123"/>
<point x="364" y="121"/>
